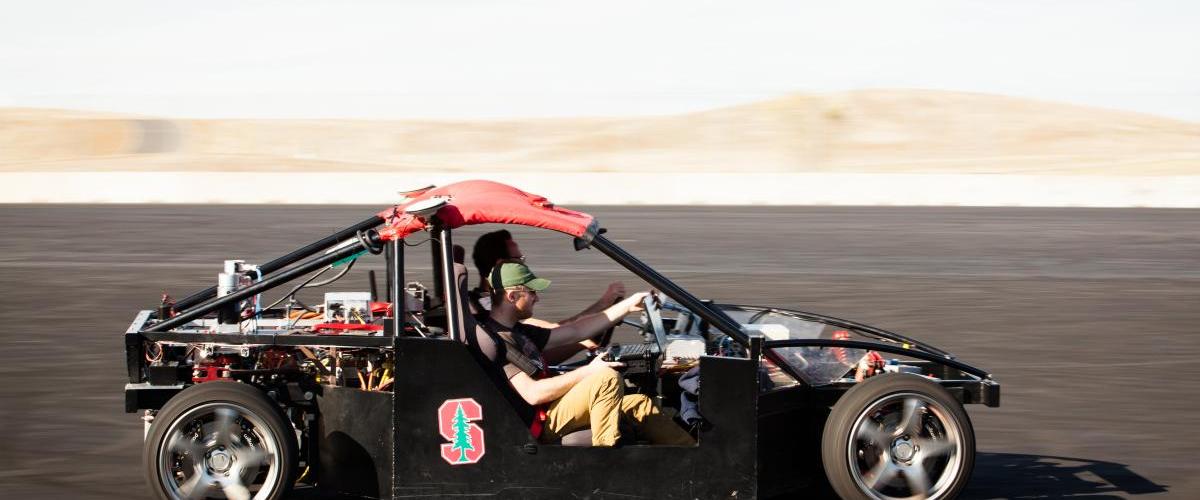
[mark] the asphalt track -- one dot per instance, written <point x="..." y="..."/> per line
<point x="1088" y="317"/>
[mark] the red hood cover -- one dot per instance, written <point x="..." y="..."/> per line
<point x="486" y="202"/>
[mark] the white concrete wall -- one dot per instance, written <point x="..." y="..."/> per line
<point x="613" y="188"/>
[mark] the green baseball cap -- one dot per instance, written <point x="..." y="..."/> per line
<point x="508" y="274"/>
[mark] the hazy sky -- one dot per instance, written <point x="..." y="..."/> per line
<point x="452" y="59"/>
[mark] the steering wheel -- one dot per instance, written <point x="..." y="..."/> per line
<point x="652" y="305"/>
<point x="654" y="322"/>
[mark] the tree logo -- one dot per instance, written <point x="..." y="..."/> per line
<point x="455" y="418"/>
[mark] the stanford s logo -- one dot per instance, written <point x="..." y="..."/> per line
<point x="465" y="444"/>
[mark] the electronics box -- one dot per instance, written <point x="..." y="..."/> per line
<point x="348" y="307"/>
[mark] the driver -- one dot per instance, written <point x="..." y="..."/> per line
<point x="554" y="406"/>
<point x="499" y="246"/>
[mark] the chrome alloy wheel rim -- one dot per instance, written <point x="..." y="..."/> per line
<point x="218" y="450"/>
<point x="905" y="446"/>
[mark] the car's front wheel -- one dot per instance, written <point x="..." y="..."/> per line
<point x="898" y="436"/>
<point x="220" y="440"/>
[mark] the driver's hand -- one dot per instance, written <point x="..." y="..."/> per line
<point x="635" y="302"/>
<point x="599" y="362"/>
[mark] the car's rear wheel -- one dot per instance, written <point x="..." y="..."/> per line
<point x="220" y="440"/>
<point x="898" y="436"/>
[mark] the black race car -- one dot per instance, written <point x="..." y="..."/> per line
<point x="385" y="396"/>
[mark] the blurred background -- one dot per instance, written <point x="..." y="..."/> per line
<point x="1017" y="183"/>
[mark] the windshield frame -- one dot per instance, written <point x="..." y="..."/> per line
<point x="712" y="315"/>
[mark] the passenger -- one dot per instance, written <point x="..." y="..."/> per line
<point x="592" y="396"/>
<point x="489" y="249"/>
<point x="498" y="246"/>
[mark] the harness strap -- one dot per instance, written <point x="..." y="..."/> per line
<point x="514" y="355"/>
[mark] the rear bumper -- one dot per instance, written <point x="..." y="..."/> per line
<point x="144" y="396"/>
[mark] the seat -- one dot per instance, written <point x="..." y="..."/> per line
<point x="583" y="437"/>
<point x="577" y="438"/>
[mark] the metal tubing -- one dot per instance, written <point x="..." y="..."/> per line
<point x="878" y="346"/>
<point x="395" y="253"/>
<point x="389" y="269"/>
<point x="714" y="317"/>
<point x="288" y="259"/>
<point x="435" y="253"/>
<point x="454" y="314"/>
<point x="264" y="285"/>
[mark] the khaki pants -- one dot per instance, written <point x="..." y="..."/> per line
<point x="599" y="402"/>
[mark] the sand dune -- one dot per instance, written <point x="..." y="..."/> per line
<point x="910" y="131"/>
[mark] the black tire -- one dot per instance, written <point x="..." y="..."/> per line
<point x="248" y="430"/>
<point x="870" y="449"/>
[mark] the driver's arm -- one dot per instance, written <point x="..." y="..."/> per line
<point x="591" y="325"/>
<point x="536" y="392"/>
